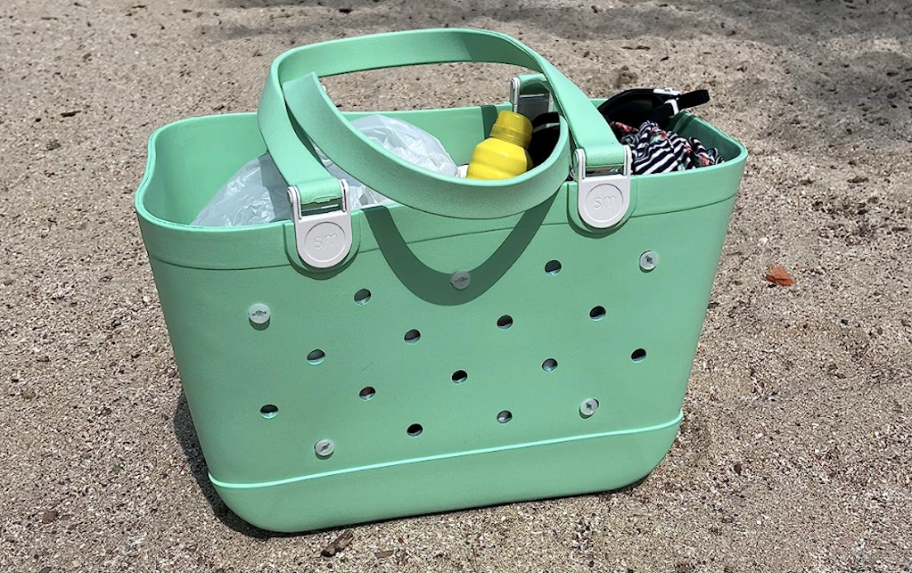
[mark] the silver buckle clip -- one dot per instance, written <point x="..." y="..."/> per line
<point x="602" y="200"/>
<point x="323" y="240"/>
<point x="530" y="105"/>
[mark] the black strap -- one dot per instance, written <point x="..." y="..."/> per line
<point x="633" y="107"/>
<point x="693" y="99"/>
<point x="663" y="106"/>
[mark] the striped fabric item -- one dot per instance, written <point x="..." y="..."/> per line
<point x="657" y="151"/>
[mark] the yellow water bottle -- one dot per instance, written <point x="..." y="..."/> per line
<point x="505" y="153"/>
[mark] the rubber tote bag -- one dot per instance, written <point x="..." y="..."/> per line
<point x="476" y="343"/>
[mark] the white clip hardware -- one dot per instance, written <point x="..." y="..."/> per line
<point x="324" y="239"/>
<point x="602" y="200"/>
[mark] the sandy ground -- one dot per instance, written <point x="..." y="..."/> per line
<point x="794" y="455"/>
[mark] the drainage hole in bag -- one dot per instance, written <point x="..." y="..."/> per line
<point x="505" y="322"/>
<point x="553" y="267"/>
<point x="269" y="411"/>
<point x="367" y="393"/>
<point x="414" y="430"/>
<point x="412" y="336"/>
<point x="504" y="416"/>
<point x="638" y="355"/>
<point x="549" y="365"/>
<point x="316" y="356"/>
<point x="460" y="376"/>
<point x="597" y="313"/>
<point x="362" y="297"/>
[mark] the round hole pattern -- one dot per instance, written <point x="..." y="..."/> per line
<point x="367" y="393"/>
<point x="412" y="336"/>
<point x="553" y="267"/>
<point x="414" y="430"/>
<point x="269" y="411"/>
<point x="460" y="376"/>
<point x="363" y="296"/>
<point x="549" y="365"/>
<point x="316" y="356"/>
<point x="504" y="416"/>
<point x="505" y="321"/>
<point x="597" y="313"/>
<point x="638" y="355"/>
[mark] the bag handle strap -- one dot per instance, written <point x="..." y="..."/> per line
<point x="293" y="86"/>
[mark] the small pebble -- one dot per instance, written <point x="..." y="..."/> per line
<point x="49" y="516"/>
<point x="339" y="544"/>
<point x="778" y="276"/>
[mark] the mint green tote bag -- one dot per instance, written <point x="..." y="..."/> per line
<point x="478" y="342"/>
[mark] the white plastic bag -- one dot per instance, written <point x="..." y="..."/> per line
<point x="256" y="194"/>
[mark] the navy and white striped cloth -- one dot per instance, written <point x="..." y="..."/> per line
<point x="657" y="151"/>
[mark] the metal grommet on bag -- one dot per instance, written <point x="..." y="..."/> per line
<point x="649" y="260"/>
<point x="461" y="280"/>
<point x="588" y="407"/>
<point x="324" y="448"/>
<point x="259" y="313"/>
